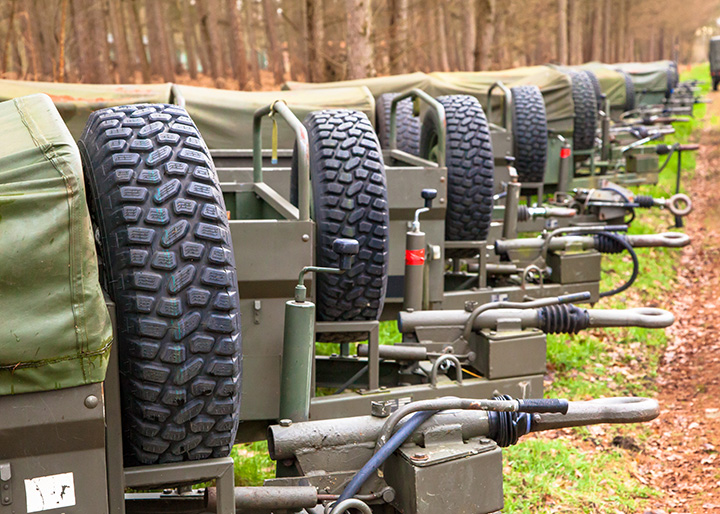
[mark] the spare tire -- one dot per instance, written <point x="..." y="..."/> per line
<point x="408" y="125"/>
<point x="585" y="119"/>
<point x="165" y="247"/>
<point x="470" y="165"/>
<point x="530" y="136"/>
<point x="349" y="201"/>
<point x="629" y="91"/>
<point x="596" y="87"/>
<point x="673" y="79"/>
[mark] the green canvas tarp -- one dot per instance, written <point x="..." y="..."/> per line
<point x="376" y="85"/>
<point x="55" y="329"/>
<point x="612" y="82"/>
<point x="648" y="77"/>
<point x="75" y="102"/>
<point x="555" y="86"/>
<point x="225" y="118"/>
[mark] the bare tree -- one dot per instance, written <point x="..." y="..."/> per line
<point x="271" y="21"/>
<point x="122" y="59"/>
<point x="135" y="27"/>
<point x="575" y="42"/>
<point x="398" y="36"/>
<point x="8" y="37"/>
<point x="597" y="31"/>
<point x="359" y="30"/>
<point x="469" y="33"/>
<point x="237" y="44"/>
<point x="562" y="31"/>
<point x="442" y="38"/>
<point x="315" y="34"/>
<point x="487" y="10"/>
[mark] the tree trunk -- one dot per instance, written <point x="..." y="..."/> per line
<point x="271" y="21"/>
<point x="487" y="12"/>
<point x="469" y="34"/>
<point x="188" y="23"/>
<point x="620" y="32"/>
<point x="359" y="32"/>
<point x="61" y="41"/>
<point x="160" y="58"/>
<point x="597" y="31"/>
<point x="122" y="60"/>
<point x="136" y="26"/>
<point x="9" y="37"/>
<point x="315" y="40"/>
<point x="252" y="22"/>
<point x="432" y="37"/>
<point x="209" y="29"/>
<point x="575" y="44"/>
<point x="398" y="35"/>
<point x="562" y="56"/>
<point x="237" y="45"/>
<point x="442" y="38"/>
<point x="607" y="43"/>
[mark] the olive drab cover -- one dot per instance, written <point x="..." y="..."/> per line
<point x="648" y="77"/>
<point x="75" y="102"/>
<point x="376" y="85"/>
<point x="612" y="82"/>
<point x="554" y="85"/>
<point x="55" y="329"/>
<point x="225" y="118"/>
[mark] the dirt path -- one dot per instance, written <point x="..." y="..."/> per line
<point x="681" y="456"/>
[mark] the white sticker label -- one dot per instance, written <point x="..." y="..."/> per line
<point x="50" y="492"/>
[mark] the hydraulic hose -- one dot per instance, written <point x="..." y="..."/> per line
<point x="379" y="458"/>
<point x="609" y="242"/>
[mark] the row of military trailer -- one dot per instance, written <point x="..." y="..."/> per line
<point x="312" y="214"/>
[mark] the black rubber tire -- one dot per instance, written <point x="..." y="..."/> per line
<point x="629" y="91"/>
<point x="530" y="133"/>
<point x="350" y="201"/>
<point x="470" y="164"/>
<point x="408" y="126"/>
<point x="585" y="119"/>
<point x="166" y="251"/>
<point x="596" y="87"/>
<point x="673" y="79"/>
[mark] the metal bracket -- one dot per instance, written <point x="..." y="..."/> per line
<point x="220" y="470"/>
<point x="372" y="329"/>
<point x="6" y="490"/>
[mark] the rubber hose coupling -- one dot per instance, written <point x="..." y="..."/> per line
<point x="509" y="426"/>
<point x="562" y="319"/>
<point x="523" y="213"/>
<point x="645" y="201"/>
<point x="605" y="244"/>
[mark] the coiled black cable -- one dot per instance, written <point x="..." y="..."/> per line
<point x="610" y="242"/>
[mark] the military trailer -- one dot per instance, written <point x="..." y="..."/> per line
<point x="124" y="368"/>
<point x="714" y="58"/>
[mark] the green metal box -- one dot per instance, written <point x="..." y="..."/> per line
<point x="447" y="476"/>
<point x="509" y="353"/>
<point x="575" y="268"/>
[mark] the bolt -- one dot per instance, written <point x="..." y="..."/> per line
<point x="91" y="401"/>
<point x="442" y="200"/>
<point x="306" y="237"/>
<point x="285" y="422"/>
<point x="442" y="179"/>
<point x="6" y="487"/>
<point x="420" y="456"/>
<point x="6" y="499"/>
